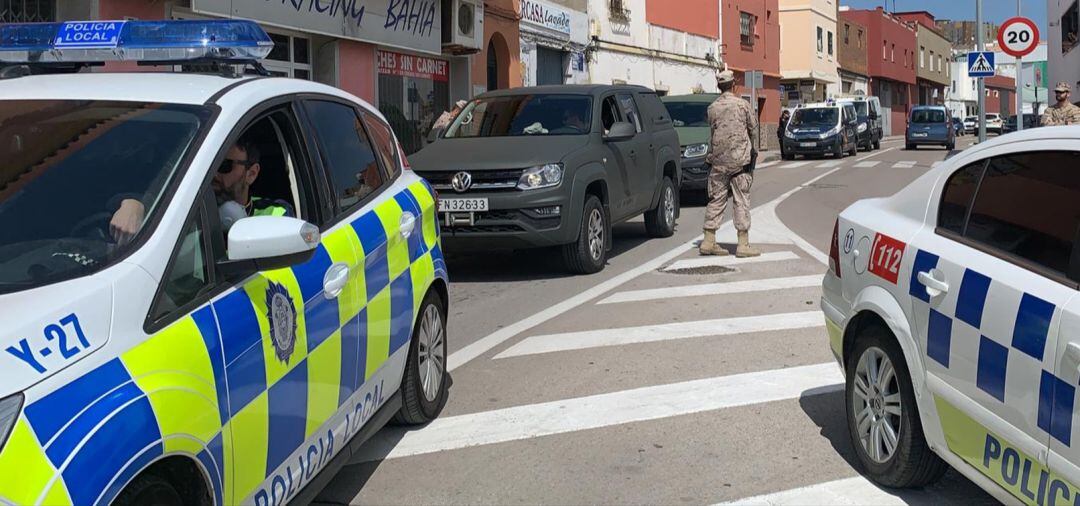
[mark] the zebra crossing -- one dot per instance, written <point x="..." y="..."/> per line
<point x="864" y="164"/>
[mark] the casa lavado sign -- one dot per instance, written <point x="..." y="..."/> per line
<point x="545" y="15"/>
<point x="409" y="24"/>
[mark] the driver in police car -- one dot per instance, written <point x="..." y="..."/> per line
<point x="232" y="183"/>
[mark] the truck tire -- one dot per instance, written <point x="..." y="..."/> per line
<point x="887" y="405"/>
<point x="660" y="221"/>
<point x="422" y="401"/>
<point x="588" y="254"/>
<point x="877" y="143"/>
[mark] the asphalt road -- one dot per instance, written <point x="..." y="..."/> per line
<point x="656" y="381"/>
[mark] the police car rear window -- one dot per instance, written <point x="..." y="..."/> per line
<point x="75" y="169"/>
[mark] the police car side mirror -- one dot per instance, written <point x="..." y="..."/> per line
<point x="263" y="243"/>
<point x="621" y="131"/>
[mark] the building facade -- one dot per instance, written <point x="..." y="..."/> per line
<point x="854" y="74"/>
<point x="498" y="65"/>
<point x="961" y="34"/>
<point x="554" y="36"/>
<point x="671" y="49"/>
<point x="933" y="73"/>
<point x="891" y="60"/>
<point x="808" y="52"/>
<point x="750" y="37"/>
<point x="1063" y="39"/>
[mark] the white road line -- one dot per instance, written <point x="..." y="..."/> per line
<point x="848" y="491"/>
<point x="552" y="343"/>
<point x="907" y="164"/>
<point x="935" y="164"/>
<point x="795" y="165"/>
<point x="866" y="165"/>
<point x="692" y="263"/>
<point x="756" y="285"/>
<point x="604" y="410"/>
<point x="828" y="164"/>
<point x="767" y="164"/>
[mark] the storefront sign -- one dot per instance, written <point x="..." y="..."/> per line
<point x="545" y="15"/>
<point x="412" y="24"/>
<point x="407" y="65"/>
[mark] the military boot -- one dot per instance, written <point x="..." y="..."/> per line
<point x="709" y="247"/>
<point x="745" y="250"/>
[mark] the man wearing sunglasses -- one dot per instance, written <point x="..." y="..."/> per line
<point x="231" y="184"/>
<point x="1063" y="112"/>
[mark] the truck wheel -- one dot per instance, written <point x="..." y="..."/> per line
<point x="660" y="222"/>
<point x="883" y="418"/>
<point x="424" y="387"/>
<point x="588" y="253"/>
<point x="854" y="148"/>
<point x="149" y="488"/>
<point x="787" y="156"/>
<point x="877" y="144"/>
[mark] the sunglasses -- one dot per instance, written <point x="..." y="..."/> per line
<point x="227" y="165"/>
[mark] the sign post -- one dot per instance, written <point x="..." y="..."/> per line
<point x="1018" y="37"/>
<point x="979" y="46"/>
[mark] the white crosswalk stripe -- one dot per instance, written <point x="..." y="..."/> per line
<point x="757" y="285"/>
<point x="848" y="491"/>
<point x="727" y="261"/>
<point x="795" y="165"/>
<point x="665" y="332"/>
<point x="829" y="164"/>
<point x="904" y="164"/>
<point x="604" y="410"/>
<point x="866" y="164"/>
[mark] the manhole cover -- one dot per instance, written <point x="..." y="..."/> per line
<point x="698" y="271"/>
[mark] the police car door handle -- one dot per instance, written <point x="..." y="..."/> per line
<point x="934" y="286"/>
<point x="408" y="222"/>
<point x="335" y="279"/>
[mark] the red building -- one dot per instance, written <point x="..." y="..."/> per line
<point x="890" y="62"/>
<point x="751" y="41"/>
<point x="999" y="95"/>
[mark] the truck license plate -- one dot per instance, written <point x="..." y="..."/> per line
<point x="462" y="205"/>
<point x="807" y="144"/>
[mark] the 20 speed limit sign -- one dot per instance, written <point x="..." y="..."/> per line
<point x="1018" y="36"/>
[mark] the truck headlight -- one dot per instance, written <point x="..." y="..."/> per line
<point x="862" y="127"/>
<point x="541" y="176"/>
<point x="825" y="135"/>
<point x="9" y="412"/>
<point x="695" y="150"/>
<point x="788" y="134"/>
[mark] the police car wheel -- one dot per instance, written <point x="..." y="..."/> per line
<point x="151" y="490"/>
<point x="883" y="418"/>
<point x="424" y="387"/>
<point x="660" y="222"/>
<point x="588" y="253"/>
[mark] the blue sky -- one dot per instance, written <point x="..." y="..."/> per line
<point x="993" y="10"/>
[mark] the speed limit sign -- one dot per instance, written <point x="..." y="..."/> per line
<point x="1018" y="36"/>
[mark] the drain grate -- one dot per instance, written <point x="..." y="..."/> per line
<point x="698" y="271"/>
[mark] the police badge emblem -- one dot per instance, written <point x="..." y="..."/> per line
<point x="281" y="314"/>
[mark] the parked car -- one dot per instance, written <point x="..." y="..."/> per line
<point x="555" y="166"/>
<point x="1030" y="121"/>
<point x="820" y="129"/>
<point x="690" y="116"/>
<point x="958" y="126"/>
<point x="929" y="125"/>
<point x="994" y="123"/>
<point x="868" y="110"/>
<point x="971" y="124"/>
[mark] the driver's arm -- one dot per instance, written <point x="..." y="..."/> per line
<point x="127" y="220"/>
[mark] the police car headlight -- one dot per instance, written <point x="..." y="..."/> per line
<point x="695" y="150"/>
<point x="862" y="127"/>
<point x="830" y="133"/>
<point x="541" y="176"/>
<point x="9" y="412"/>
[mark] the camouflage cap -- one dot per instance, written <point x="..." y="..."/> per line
<point x="1063" y="86"/>
<point x="724" y="76"/>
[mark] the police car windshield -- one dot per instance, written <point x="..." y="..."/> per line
<point x="817" y="116"/>
<point x="689" y="114"/>
<point x="68" y="166"/>
<point x="518" y="115"/>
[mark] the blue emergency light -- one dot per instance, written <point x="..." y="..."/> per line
<point x="151" y="42"/>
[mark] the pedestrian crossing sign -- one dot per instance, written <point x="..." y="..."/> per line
<point x="980" y="64"/>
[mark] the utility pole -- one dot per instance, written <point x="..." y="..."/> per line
<point x="982" y="84"/>
<point x="1019" y="85"/>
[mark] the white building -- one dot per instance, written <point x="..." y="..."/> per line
<point x="1063" y="37"/>
<point x="629" y="49"/>
<point x="554" y="36"/>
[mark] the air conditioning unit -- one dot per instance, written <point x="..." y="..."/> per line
<point x="463" y="26"/>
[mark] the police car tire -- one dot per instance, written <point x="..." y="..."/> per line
<point x="151" y="490"/>
<point x="576" y="255"/>
<point x="913" y="464"/>
<point x="656" y="222"/>
<point x="415" y="408"/>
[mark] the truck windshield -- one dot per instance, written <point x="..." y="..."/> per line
<point x="928" y="116"/>
<point x="820" y="116"/>
<point x="519" y="115"/>
<point x="68" y="167"/>
<point x="860" y="108"/>
<point x="689" y="114"/>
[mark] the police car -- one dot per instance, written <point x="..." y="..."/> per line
<point x="953" y="310"/>
<point x="212" y="287"/>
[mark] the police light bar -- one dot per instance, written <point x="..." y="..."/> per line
<point x="164" y="42"/>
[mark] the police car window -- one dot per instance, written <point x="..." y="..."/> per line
<point x="80" y="179"/>
<point x="629" y="109"/>
<point x="383" y="140"/>
<point x="187" y="275"/>
<point x="346" y="152"/>
<point x="956" y="198"/>
<point x="1028" y="205"/>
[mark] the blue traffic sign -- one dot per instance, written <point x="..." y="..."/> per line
<point x="980" y="64"/>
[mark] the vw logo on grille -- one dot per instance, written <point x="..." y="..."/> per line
<point x="461" y="182"/>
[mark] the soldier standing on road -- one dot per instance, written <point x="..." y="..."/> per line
<point x="1063" y="112"/>
<point x="733" y="137"/>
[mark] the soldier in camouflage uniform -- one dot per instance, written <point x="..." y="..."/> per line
<point x="1063" y="112"/>
<point x="734" y="133"/>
